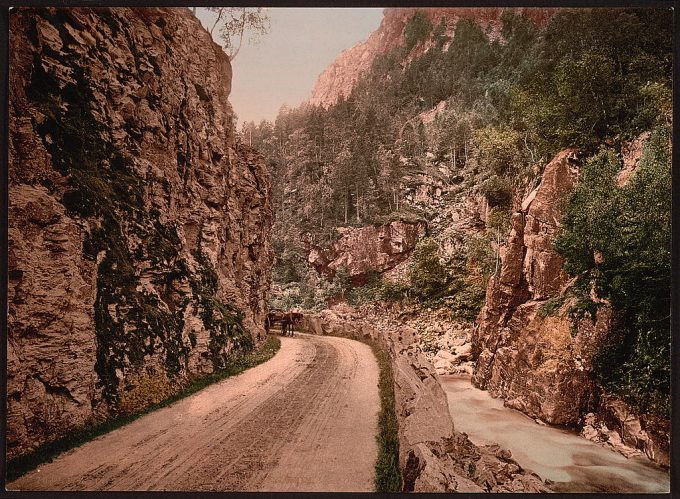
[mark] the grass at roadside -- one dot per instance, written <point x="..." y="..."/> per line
<point x="387" y="473"/>
<point x="47" y="452"/>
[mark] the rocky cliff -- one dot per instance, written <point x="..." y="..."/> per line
<point x="529" y="360"/>
<point x="338" y="79"/>
<point x="530" y="349"/>
<point x="139" y="245"/>
<point x="373" y="248"/>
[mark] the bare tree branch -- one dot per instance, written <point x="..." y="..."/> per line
<point x="235" y="23"/>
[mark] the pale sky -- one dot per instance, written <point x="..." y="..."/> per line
<point x="283" y="66"/>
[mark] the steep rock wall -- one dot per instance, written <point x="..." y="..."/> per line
<point x="338" y="79"/>
<point x="139" y="232"/>
<point x="530" y="352"/>
<point x="530" y="360"/>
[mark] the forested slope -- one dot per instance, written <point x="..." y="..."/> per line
<point x="452" y="128"/>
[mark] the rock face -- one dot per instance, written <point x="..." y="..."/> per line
<point x="617" y="425"/>
<point x="139" y="250"/>
<point x="530" y="360"/>
<point x="433" y="457"/>
<point x="338" y="79"/>
<point x="365" y="249"/>
<point x="529" y="351"/>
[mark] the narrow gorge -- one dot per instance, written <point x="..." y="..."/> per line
<point x="469" y="216"/>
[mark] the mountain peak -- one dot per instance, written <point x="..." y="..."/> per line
<point x="338" y="79"/>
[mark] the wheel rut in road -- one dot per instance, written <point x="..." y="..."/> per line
<point x="306" y="420"/>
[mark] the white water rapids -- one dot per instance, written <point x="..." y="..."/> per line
<point x="574" y="463"/>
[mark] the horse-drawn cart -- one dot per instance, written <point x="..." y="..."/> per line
<point x="286" y="319"/>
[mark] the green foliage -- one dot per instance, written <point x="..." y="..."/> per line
<point x="588" y="83"/>
<point x="370" y="291"/>
<point x="580" y="310"/>
<point x="467" y="295"/>
<point x="551" y="306"/>
<point x="286" y="269"/>
<point x="498" y="219"/>
<point x="481" y="254"/>
<point x="439" y="34"/>
<point x="418" y="29"/>
<point x="629" y="229"/>
<point x="290" y="295"/>
<point x="498" y="192"/>
<point x="387" y="472"/>
<point x="223" y="321"/>
<point x="428" y="277"/>
<point x="499" y="149"/>
<point x="510" y="106"/>
<point x="342" y="282"/>
<point x="394" y="291"/>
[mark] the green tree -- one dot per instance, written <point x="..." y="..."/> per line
<point x="617" y="239"/>
<point x="428" y="276"/>
<point x="498" y="192"/>
<point x="418" y="29"/>
<point x="342" y="282"/>
<point x="500" y="149"/>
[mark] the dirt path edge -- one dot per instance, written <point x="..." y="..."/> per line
<point x="433" y="457"/>
<point x="49" y="451"/>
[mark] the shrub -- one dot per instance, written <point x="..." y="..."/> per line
<point x="498" y="149"/>
<point x="146" y="390"/>
<point x="467" y="297"/>
<point x="498" y="192"/>
<point x="481" y="255"/>
<point x="342" y="281"/>
<point x="394" y="291"/>
<point x="551" y="306"/>
<point x="369" y="292"/>
<point x="427" y="276"/>
<point x="629" y="227"/>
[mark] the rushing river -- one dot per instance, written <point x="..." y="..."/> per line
<point x="574" y="463"/>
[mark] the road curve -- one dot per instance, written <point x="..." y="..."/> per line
<point x="306" y="420"/>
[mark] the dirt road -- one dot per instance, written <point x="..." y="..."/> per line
<point x="304" y="421"/>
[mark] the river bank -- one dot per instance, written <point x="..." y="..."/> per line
<point x="573" y="463"/>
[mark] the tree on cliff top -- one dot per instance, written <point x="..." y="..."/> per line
<point x="417" y="29"/>
<point x="234" y="22"/>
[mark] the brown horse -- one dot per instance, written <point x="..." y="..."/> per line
<point x="288" y="321"/>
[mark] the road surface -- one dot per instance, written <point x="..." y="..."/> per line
<point x="306" y="420"/>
